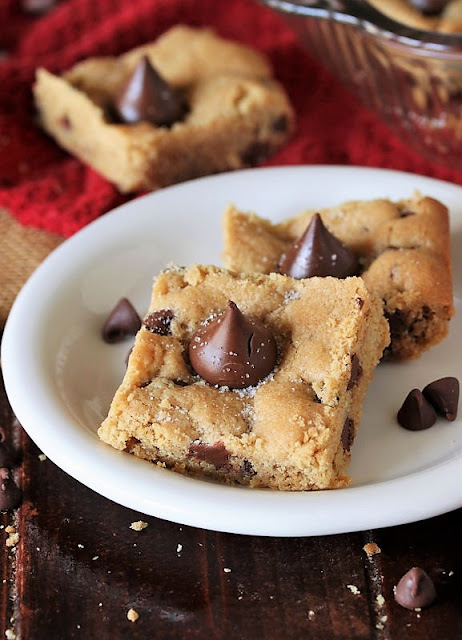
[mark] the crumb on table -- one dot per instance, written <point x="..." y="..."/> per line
<point x="371" y="549"/>
<point x="132" y="615"/>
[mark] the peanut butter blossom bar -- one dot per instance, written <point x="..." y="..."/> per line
<point x="187" y="105"/>
<point x="252" y="379"/>
<point x="400" y="249"/>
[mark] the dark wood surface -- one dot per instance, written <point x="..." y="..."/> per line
<point x="78" y="568"/>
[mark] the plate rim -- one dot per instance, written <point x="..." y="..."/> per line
<point x="12" y="381"/>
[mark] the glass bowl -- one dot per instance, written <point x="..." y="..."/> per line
<point x="409" y="77"/>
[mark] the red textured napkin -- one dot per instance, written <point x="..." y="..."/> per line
<point x="43" y="186"/>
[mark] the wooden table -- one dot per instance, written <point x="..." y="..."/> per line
<point x="78" y="568"/>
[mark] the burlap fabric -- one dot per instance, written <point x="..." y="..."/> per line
<point x="22" y="249"/>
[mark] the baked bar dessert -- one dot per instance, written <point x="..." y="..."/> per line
<point x="236" y="114"/>
<point x="292" y="424"/>
<point x="403" y="250"/>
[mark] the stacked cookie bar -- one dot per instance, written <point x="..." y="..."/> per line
<point x="403" y="252"/>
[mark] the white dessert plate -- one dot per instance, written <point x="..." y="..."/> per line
<point x="60" y="376"/>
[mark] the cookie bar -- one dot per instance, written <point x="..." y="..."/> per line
<point x="293" y="430"/>
<point x="403" y="249"/>
<point x="236" y="116"/>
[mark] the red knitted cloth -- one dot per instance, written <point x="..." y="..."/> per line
<point x="44" y="187"/>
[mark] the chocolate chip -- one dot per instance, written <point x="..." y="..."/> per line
<point x="131" y="443"/>
<point x="247" y="467"/>
<point x="10" y="493"/>
<point x="348" y="434"/>
<point x="233" y="350"/>
<point x="443" y="395"/>
<point x="159" y="322"/>
<point x="391" y="247"/>
<point x="215" y="454"/>
<point x="360" y="302"/>
<point x="122" y="321"/>
<point x="427" y="313"/>
<point x="110" y="115"/>
<point x="8" y="457"/>
<point x="65" y="123"/>
<point x="356" y="372"/>
<point x="397" y="323"/>
<point x="416" y="412"/>
<point x="429" y="7"/>
<point x="405" y="213"/>
<point x="281" y="124"/>
<point x="415" y="589"/>
<point x="146" y="96"/>
<point x="255" y="153"/>
<point x="37" y="7"/>
<point x="180" y="383"/>
<point x="317" y="252"/>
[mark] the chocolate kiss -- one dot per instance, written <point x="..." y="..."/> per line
<point x="415" y="589"/>
<point x="8" y="457"/>
<point x="233" y="350"/>
<point x="429" y="7"/>
<point x="146" y="96"/>
<point x="443" y="395"/>
<point x="416" y="412"/>
<point x="215" y="454"/>
<point x="159" y="322"/>
<point x="318" y="253"/>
